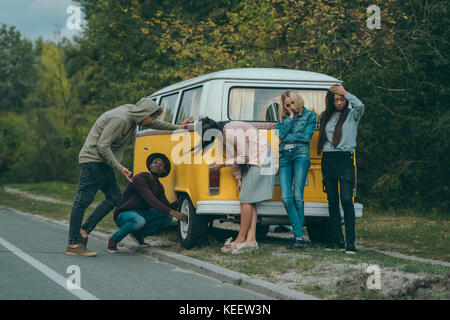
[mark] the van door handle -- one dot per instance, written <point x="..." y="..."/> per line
<point x="146" y="148"/>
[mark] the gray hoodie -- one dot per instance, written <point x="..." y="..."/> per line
<point x="113" y="129"/>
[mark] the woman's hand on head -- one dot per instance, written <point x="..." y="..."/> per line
<point x="339" y="89"/>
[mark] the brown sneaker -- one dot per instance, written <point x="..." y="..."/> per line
<point x="112" y="246"/>
<point x="80" y="251"/>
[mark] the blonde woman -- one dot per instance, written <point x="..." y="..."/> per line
<point x="295" y="128"/>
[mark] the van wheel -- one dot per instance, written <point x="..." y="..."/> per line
<point x="194" y="231"/>
<point x="318" y="230"/>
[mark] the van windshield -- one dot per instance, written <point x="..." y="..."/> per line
<point x="261" y="104"/>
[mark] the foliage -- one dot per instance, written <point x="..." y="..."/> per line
<point x="17" y="71"/>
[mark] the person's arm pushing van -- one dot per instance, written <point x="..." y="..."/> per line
<point x="161" y="125"/>
<point x="110" y="133"/>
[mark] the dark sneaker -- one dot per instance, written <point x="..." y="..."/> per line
<point x="299" y="244"/>
<point x="80" y="251"/>
<point x="139" y="239"/>
<point x="112" y="246"/>
<point x="336" y="246"/>
<point x="350" y="249"/>
<point x="289" y="244"/>
<point x="296" y="244"/>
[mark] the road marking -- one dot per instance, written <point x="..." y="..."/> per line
<point x="53" y="275"/>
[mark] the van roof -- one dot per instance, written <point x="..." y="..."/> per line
<point x="253" y="74"/>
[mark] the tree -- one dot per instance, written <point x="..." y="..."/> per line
<point x="17" y="69"/>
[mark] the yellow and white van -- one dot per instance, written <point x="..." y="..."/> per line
<point x="250" y="94"/>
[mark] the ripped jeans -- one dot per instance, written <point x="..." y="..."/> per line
<point x="294" y="166"/>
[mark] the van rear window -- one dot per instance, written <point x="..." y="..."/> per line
<point x="261" y="104"/>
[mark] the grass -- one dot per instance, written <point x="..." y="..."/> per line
<point x="417" y="235"/>
<point x="315" y="271"/>
<point x="57" y="190"/>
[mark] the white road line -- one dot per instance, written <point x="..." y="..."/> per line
<point x="79" y="292"/>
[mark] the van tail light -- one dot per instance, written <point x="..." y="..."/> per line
<point x="214" y="182"/>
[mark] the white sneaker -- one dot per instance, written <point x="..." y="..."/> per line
<point x="228" y="245"/>
<point x="244" y="247"/>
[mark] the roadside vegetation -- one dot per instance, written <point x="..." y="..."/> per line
<point x="325" y="274"/>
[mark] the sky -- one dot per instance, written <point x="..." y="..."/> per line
<point x="38" y="18"/>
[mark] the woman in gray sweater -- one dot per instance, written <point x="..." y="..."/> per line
<point x="337" y="140"/>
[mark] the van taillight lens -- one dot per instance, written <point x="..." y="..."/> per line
<point x="214" y="181"/>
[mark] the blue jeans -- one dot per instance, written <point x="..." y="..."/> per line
<point x="94" y="176"/>
<point x="294" y="166"/>
<point x="141" y="223"/>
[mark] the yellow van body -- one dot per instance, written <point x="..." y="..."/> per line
<point x="190" y="176"/>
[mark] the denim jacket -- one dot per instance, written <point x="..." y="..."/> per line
<point x="297" y="131"/>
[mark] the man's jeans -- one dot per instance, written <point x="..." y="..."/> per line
<point x="141" y="223"/>
<point x="94" y="176"/>
<point x="294" y="166"/>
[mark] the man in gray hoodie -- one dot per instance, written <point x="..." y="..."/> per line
<point x="99" y="156"/>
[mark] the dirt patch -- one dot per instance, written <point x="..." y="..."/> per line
<point x="347" y="281"/>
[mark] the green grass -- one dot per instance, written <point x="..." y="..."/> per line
<point x="418" y="235"/>
<point x="314" y="267"/>
<point x="57" y="190"/>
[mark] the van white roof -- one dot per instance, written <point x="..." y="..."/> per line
<point x="262" y="74"/>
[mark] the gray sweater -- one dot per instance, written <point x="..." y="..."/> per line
<point x="349" y="128"/>
<point x="112" y="130"/>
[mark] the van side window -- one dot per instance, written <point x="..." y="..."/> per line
<point x="262" y="104"/>
<point x="168" y="105"/>
<point x="190" y="104"/>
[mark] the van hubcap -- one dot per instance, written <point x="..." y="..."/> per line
<point x="184" y="226"/>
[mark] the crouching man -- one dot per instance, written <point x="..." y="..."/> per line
<point x="144" y="207"/>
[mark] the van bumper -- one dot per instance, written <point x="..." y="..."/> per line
<point x="272" y="208"/>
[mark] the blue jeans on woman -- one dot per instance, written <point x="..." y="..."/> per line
<point x="294" y="166"/>
<point x="141" y="223"/>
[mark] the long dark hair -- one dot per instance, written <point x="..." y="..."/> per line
<point x="204" y="124"/>
<point x="325" y="117"/>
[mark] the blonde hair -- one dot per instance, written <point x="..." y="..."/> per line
<point x="296" y="99"/>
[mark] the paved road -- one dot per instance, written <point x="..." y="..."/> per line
<point x="33" y="266"/>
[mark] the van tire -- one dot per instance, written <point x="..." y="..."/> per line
<point x="318" y="230"/>
<point x="195" y="231"/>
